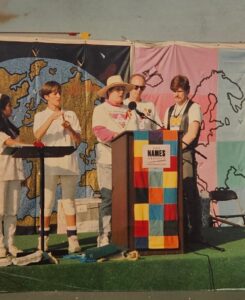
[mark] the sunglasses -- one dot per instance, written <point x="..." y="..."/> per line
<point x="141" y="87"/>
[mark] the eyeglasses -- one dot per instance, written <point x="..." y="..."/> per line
<point x="118" y="89"/>
<point x="141" y="87"/>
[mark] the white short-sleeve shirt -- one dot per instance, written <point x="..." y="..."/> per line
<point x="10" y="168"/>
<point x="149" y="109"/>
<point x="194" y="114"/>
<point x="57" y="135"/>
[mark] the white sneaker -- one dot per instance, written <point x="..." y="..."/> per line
<point x="46" y="238"/>
<point x="13" y="250"/>
<point x="102" y="240"/>
<point x="74" y="246"/>
<point x="3" y="252"/>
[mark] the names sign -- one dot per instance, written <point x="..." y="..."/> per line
<point x="156" y="156"/>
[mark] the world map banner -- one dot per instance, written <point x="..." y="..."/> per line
<point x="217" y="81"/>
<point x="81" y="70"/>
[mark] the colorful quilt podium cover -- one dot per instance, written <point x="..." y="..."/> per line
<point x="156" y="197"/>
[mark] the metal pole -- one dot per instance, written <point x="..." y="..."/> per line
<point x="42" y="197"/>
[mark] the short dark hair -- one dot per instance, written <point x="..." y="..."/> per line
<point x="180" y="81"/>
<point x="49" y="87"/>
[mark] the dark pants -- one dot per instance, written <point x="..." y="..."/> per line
<point x="192" y="208"/>
<point x="191" y="198"/>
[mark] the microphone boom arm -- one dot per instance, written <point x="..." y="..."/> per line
<point x="142" y="115"/>
<point x="195" y="151"/>
<point x="133" y="106"/>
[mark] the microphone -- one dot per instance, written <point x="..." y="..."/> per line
<point x="133" y="106"/>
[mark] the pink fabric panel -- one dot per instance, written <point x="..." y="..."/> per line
<point x="160" y="65"/>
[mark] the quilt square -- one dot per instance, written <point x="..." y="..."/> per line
<point x="155" y="195"/>
<point x="141" y="195"/>
<point x="155" y="212"/>
<point x="170" y="228"/>
<point x="156" y="242"/>
<point x="138" y="165"/>
<point x="170" y="212"/>
<point x="141" y="228"/>
<point x="173" y="147"/>
<point x="138" y="147"/>
<point x="170" y="196"/>
<point x="141" y="179"/>
<point x="141" y="212"/>
<point x="155" y="137"/>
<point x="155" y="178"/>
<point x="156" y="228"/>
<point x="170" y="179"/>
<point x="173" y="164"/>
<point x="170" y="135"/>
<point x="141" y="135"/>
<point x="141" y="243"/>
<point x="171" y="242"/>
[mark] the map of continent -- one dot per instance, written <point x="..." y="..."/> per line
<point x="78" y="94"/>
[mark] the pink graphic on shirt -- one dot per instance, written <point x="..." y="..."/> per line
<point x="120" y="118"/>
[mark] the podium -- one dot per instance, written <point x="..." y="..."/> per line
<point x="147" y="193"/>
<point x="41" y="154"/>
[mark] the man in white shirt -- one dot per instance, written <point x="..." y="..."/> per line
<point x="186" y="115"/>
<point x="58" y="127"/>
<point x="109" y="119"/>
<point x="148" y="108"/>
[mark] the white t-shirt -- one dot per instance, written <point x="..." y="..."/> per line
<point x="57" y="136"/>
<point x="149" y="109"/>
<point x="10" y="168"/>
<point x="115" y="119"/>
<point x="194" y="114"/>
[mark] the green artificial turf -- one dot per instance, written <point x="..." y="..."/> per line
<point x="201" y="268"/>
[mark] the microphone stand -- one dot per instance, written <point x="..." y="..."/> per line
<point x="195" y="151"/>
<point x="203" y="242"/>
<point x="143" y="116"/>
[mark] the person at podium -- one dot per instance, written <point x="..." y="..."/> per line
<point x="58" y="127"/>
<point x="11" y="175"/>
<point x="186" y="115"/>
<point x="146" y="107"/>
<point x="109" y="119"/>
